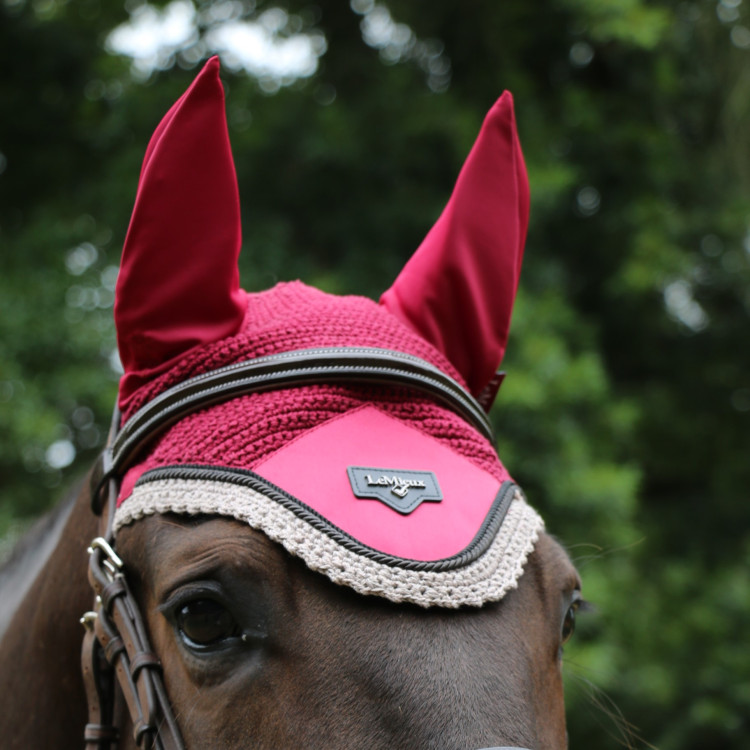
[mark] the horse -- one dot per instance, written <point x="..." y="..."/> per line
<point x="301" y="535"/>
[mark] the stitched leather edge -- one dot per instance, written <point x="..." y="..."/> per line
<point x="288" y="369"/>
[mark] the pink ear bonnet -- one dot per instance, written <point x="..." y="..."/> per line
<point x="348" y="431"/>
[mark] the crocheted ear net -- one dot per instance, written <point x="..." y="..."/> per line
<point x="246" y="433"/>
<point x="382" y="489"/>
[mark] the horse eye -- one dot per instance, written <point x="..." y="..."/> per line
<point x="205" y="622"/>
<point x="569" y="623"/>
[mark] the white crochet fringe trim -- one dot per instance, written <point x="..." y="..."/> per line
<point x="488" y="578"/>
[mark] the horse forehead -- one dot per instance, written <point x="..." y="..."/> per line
<point x="177" y="549"/>
<point x="164" y="546"/>
<point x="166" y="541"/>
<point x="169" y="548"/>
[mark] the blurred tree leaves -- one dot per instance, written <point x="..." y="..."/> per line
<point x="631" y="22"/>
<point x="625" y="413"/>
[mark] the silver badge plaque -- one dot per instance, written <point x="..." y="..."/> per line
<point x="400" y="489"/>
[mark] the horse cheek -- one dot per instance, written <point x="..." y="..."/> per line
<point x="552" y="729"/>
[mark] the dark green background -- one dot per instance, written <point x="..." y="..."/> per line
<point x="626" y="410"/>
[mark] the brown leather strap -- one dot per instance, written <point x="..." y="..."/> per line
<point x="100" y="732"/>
<point x="121" y="634"/>
<point x="117" y="658"/>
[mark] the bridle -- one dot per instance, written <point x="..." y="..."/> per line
<point x="120" y="669"/>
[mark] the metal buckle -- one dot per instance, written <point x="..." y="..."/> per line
<point x="112" y="562"/>
<point x="88" y="619"/>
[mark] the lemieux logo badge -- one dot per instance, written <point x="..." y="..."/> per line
<point x="402" y="490"/>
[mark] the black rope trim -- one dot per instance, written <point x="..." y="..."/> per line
<point x="249" y="479"/>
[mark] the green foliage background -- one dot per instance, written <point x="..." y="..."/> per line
<point x="626" y="411"/>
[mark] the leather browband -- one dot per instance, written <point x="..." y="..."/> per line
<point x="354" y="365"/>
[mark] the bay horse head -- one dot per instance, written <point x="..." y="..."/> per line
<point x="307" y="537"/>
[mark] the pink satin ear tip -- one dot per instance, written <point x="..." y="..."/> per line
<point x="505" y="99"/>
<point x="209" y="75"/>
<point x="206" y="82"/>
<point x="505" y="103"/>
<point x="211" y="68"/>
<point x="503" y="113"/>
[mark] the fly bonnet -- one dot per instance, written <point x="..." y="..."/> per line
<point x="351" y="432"/>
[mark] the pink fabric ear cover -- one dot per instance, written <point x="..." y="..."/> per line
<point x="178" y="286"/>
<point x="179" y="313"/>
<point x="312" y="469"/>
<point x="457" y="290"/>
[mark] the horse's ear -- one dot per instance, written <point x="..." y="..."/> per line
<point x="179" y="284"/>
<point x="457" y="290"/>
